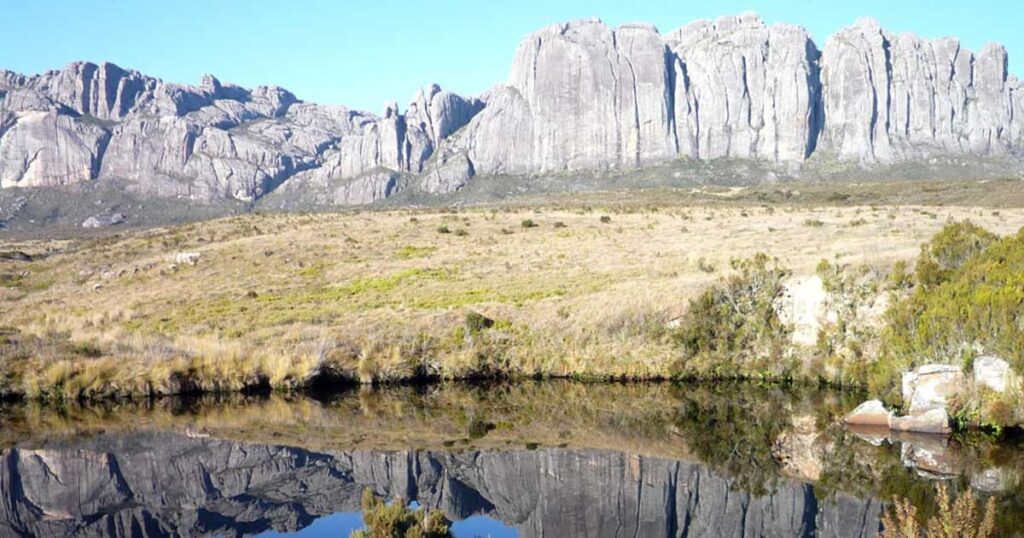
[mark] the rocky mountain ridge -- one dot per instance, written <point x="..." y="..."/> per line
<point x="580" y="96"/>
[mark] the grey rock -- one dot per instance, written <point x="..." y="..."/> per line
<point x="894" y="97"/>
<point x="870" y="413"/>
<point x="992" y="372"/>
<point x="49" y="149"/>
<point x="930" y="386"/>
<point x="102" y="221"/>
<point x="448" y="174"/>
<point x="579" y="96"/>
<point x="745" y="90"/>
<point x="207" y="142"/>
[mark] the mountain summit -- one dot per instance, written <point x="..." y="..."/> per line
<point x="580" y="96"/>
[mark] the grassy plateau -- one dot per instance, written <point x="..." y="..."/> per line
<point x="597" y="287"/>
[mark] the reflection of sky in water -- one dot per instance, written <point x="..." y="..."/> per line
<point x="342" y="524"/>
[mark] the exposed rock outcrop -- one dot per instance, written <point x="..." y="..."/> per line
<point x="579" y="96"/>
<point x="211" y="141"/>
<point x="893" y="97"/>
<point x="992" y="373"/>
<point x="870" y="413"/>
<point x="929" y="387"/>
<point x="804" y="306"/>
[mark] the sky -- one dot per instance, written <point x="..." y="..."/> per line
<point x="365" y="53"/>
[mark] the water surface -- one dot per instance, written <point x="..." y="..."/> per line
<point x="540" y="459"/>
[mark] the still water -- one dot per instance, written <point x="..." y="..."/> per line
<point x="535" y="459"/>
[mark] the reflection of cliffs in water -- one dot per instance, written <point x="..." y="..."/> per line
<point x="159" y="484"/>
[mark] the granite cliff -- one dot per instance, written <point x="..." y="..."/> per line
<point x="580" y="96"/>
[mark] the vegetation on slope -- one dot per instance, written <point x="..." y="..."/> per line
<point x="285" y="301"/>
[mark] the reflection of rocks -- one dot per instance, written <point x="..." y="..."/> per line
<point x="995" y="479"/>
<point x="934" y="458"/>
<point x="799" y="452"/>
<point x="929" y="456"/>
<point x="166" y="484"/>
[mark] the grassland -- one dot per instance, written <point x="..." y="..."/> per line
<point x="586" y="288"/>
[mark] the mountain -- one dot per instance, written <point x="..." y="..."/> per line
<point x="580" y="97"/>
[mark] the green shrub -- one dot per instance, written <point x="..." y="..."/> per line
<point x="477" y="323"/>
<point x="442" y="229"/>
<point x="397" y="520"/>
<point x="461" y="232"/>
<point x="528" y="223"/>
<point x="949" y="250"/>
<point x="732" y="330"/>
<point x="605" y="219"/>
<point x="970" y="298"/>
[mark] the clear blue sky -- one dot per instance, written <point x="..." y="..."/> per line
<point x="363" y="53"/>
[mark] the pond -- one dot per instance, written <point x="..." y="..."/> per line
<point x="551" y="458"/>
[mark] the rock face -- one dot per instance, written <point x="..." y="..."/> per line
<point x="930" y="421"/>
<point x="579" y="96"/>
<point x="992" y="372"/>
<point x="929" y="387"/>
<point x="100" y="122"/>
<point x="160" y="484"/>
<point x="892" y="97"/>
<point x="804" y="305"/>
<point x="870" y="413"/>
<point x="745" y="90"/>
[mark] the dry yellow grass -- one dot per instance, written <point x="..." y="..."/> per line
<point x="383" y="295"/>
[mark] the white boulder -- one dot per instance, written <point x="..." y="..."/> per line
<point x="930" y="386"/>
<point x="991" y="372"/>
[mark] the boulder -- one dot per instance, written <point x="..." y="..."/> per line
<point x="870" y="413"/>
<point x="991" y="372"/>
<point x="101" y="221"/>
<point x="191" y="258"/>
<point x="15" y="255"/>
<point x="804" y="305"/>
<point x="929" y="387"/>
<point x="931" y="421"/>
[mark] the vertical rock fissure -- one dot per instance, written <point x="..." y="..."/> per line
<point x="670" y="98"/>
<point x="636" y="115"/>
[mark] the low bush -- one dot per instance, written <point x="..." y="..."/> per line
<point x="969" y="299"/>
<point x="732" y="329"/>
